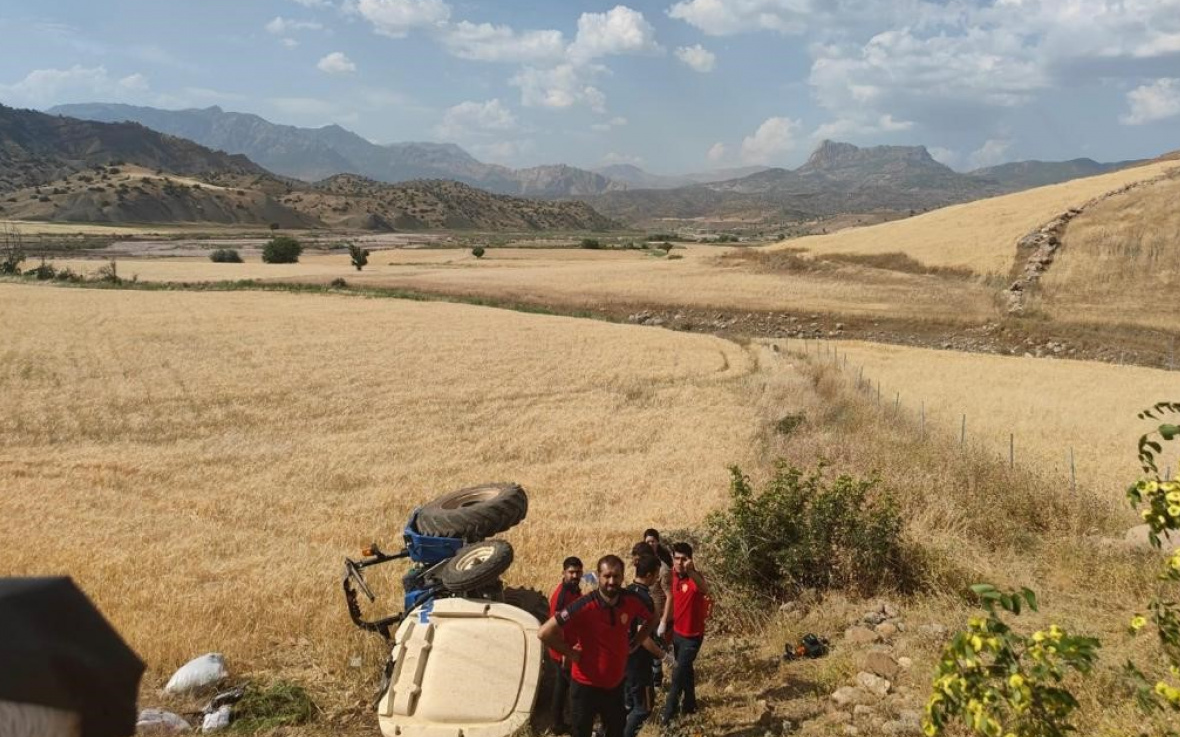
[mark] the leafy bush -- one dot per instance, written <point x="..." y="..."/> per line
<point x="359" y="256"/>
<point x="281" y="704"/>
<point x="282" y="249"/>
<point x="591" y="243"/>
<point x="811" y="531"/>
<point x="478" y="252"/>
<point x="12" y="252"/>
<point x="225" y="256"/>
<point x="338" y="283"/>
<point x="109" y="273"/>
<point x="43" y="271"/>
<point x="997" y="681"/>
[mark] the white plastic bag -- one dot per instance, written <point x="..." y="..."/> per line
<point x="158" y="721"/>
<point x="216" y="720"/>
<point x="198" y="673"/>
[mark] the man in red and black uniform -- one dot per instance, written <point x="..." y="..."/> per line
<point x="566" y="593"/>
<point x="689" y="609"/>
<point x="599" y="625"/>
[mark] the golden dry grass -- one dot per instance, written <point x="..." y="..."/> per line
<point x="1048" y="405"/>
<point x="582" y="278"/>
<point x="200" y="463"/>
<point x="1120" y="262"/>
<point x="981" y="235"/>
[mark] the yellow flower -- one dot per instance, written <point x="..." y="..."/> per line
<point x="929" y="729"/>
<point x="1038" y="636"/>
<point x="1151" y="487"/>
<point x="1016" y="680"/>
<point x="1173" y="497"/>
<point x="976" y="643"/>
<point x="1137" y="622"/>
<point x="1055" y="632"/>
<point x="1174" y="561"/>
<point x="1169" y="486"/>
<point x="1145" y="514"/>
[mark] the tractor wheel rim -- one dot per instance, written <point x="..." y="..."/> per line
<point x="475" y="557"/>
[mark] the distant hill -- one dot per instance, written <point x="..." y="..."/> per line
<point x="36" y="148"/>
<point x="635" y="177"/>
<point x="1018" y="175"/>
<point x="837" y="178"/>
<point x="312" y="154"/>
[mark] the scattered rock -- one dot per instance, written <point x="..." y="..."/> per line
<point x="198" y="673"/>
<point x="839" y="717"/>
<point x="851" y="730"/>
<point x="874" y="684"/>
<point x="890" y="611"/>
<point x="934" y="630"/>
<point x="899" y="727"/>
<point x="886" y="630"/>
<point x="862" y="710"/>
<point x="905" y="663"/>
<point x="850" y="696"/>
<point x="909" y="716"/>
<point x="881" y="664"/>
<point x="217" y="720"/>
<point x="858" y="635"/>
<point x="158" y="721"/>
<point x="873" y="618"/>
<point x="1136" y="537"/>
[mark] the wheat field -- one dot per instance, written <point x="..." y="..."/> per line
<point x="1120" y="262"/>
<point x="1047" y="406"/>
<point x="981" y="235"/>
<point x="576" y="278"/>
<point x="200" y="463"/>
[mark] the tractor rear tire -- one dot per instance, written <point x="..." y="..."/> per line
<point x="530" y="600"/>
<point x="474" y="513"/>
<point x="475" y="566"/>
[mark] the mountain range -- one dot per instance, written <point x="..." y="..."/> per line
<point x="839" y="178"/>
<point x="312" y="154"/>
<point x="68" y="170"/>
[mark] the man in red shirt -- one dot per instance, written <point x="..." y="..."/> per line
<point x="566" y="593"/>
<point x="689" y="609"/>
<point x="599" y="625"/>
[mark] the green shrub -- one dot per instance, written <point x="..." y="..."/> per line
<point x="359" y="256"/>
<point x="811" y="531"/>
<point x="225" y="256"/>
<point x="591" y="243"/>
<point x="478" y="252"/>
<point x="338" y="283"/>
<point x="281" y="249"/>
<point x="787" y="424"/>
<point x="281" y="704"/>
<point x="43" y="271"/>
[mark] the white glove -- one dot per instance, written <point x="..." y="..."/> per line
<point x="661" y="629"/>
<point x="668" y="661"/>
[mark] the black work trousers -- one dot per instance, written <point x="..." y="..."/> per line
<point x="587" y="702"/>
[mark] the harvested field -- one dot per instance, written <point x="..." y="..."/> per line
<point x="1048" y="405"/>
<point x="979" y="236"/>
<point x="581" y="278"/>
<point x="200" y="463"/>
<point x="1120" y="262"/>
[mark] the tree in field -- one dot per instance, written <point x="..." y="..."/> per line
<point x="360" y="256"/>
<point x="12" y="251"/>
<point x="282" y="249"/>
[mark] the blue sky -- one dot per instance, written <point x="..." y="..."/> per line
<point x="670" y="85"/>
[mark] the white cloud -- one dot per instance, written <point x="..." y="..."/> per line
<point x="502" y="152"/>
<point x="336" y="63"/>
<point x="313" y="3"/>
<point x="290" y="43"/>
<point x="470" y="118"/>
<point x="774" y="137"/>
<point x="1151" y="102"/>
<point x="615" y="122"/>
<point x="46" y="87"/>
<point x="281" y="26"/>
<point x="717" y="153"/>
<point x="727" y="17"/>
<point x="620" y="30"/>
<point x="617" y="158"/>
<point x="487" y="42"/>
<point x="697" y="57"/>
<point x="945" y="156"/>
<point x="992" y="152"/>
<point x="847" y="127"/>
<point x="561" y="87"/>
<point x="396" y="18"/>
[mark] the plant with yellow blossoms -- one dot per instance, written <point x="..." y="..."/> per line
<point x="999" y="682"/>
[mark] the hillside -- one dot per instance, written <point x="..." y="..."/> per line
<point x="637" y="178"/>
<point x="437" y="204"/>
<point x="837" y="178"/>
<point x="36" y="148"/>
<point x="1018" y="175"/>
<point x="312" y="154"/>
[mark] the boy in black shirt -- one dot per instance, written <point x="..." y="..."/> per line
<point x="639" y="681"/>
